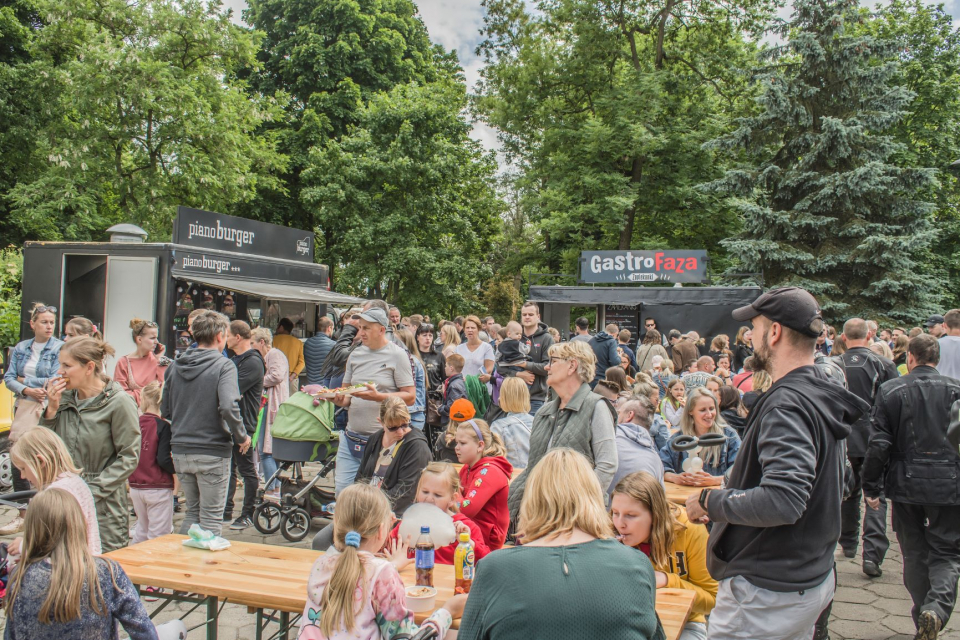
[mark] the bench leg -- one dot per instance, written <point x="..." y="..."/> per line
<point x="213" y="618"/>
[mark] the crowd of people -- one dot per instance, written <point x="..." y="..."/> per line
<point x="560" y="446"/>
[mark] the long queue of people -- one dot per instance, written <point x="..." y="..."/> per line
<point x="594" y="426"/>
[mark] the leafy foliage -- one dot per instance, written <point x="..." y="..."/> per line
<point x="143" y="110"/>
<point x="413" y="196"/>
<point x="11" y="278"/>
<point x="824" y="205"/>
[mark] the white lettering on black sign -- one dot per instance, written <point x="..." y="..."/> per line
<point x="237" y="236"/>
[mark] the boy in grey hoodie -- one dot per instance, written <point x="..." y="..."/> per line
<point x="201" y="400"/>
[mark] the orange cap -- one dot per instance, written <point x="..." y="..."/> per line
<point x="461" y="410"/>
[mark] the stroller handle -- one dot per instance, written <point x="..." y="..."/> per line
<point x="16" y="498"/>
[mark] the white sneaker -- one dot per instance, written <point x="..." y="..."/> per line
<point x="16" y="526"/>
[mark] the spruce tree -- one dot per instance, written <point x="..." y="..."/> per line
<point x="822" y="205"/>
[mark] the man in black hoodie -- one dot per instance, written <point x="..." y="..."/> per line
<point x="250" y="372"/>
<point x="539" y="340"/>
<point x="777" y="523"/>
<point x="604" y="346"/>
<point x="201" y="401"/>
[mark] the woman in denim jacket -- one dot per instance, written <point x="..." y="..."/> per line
<point x="32" y="364"/>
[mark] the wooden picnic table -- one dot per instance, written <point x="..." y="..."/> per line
<point x="678" y="493"/>
<point x="269" y="578"/>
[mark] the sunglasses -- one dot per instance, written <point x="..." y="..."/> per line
<point x="44" y="309"/>
<point x="149" y="324"/>
<point x="398" y="427"/>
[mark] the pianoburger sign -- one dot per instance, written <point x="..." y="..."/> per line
<point x="643" y="266"/>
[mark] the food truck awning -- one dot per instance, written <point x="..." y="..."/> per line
<point x="272" y="290"/>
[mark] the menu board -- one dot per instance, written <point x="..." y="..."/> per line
<point x="626" y="317"/>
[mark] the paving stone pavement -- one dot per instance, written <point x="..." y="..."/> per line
<point x="864" y="608"/>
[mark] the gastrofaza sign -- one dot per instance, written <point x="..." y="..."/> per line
<point x="209" y="230"/>
<point x="643" y="266"/>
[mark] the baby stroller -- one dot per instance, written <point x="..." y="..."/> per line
<point x="16" y="500"/>
<point x="302" y="432"/>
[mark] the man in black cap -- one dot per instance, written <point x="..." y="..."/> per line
<point x="777" y="522"/>
<point x="935" y="325"/>
<point x="911" y="460"/>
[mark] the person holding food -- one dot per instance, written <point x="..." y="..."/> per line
<point x="701" y="416"/>
<point x="385" y="368"/>
<point x="646" y="520"/>
<point x="353" y="593"/>
<point x="100" y="426"/>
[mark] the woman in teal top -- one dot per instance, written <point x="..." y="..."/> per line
<point x="571" y="579"/>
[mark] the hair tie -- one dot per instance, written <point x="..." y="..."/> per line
<point x="352" y="539"/>
<point x="95" y="330"/>
<point x="477" y="429"/>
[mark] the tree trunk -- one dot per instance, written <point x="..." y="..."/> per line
<point x="630" y="215"/>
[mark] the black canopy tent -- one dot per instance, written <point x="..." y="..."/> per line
<point x="705" y="310"/>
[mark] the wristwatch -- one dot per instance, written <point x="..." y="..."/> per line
<point x="703" y="498"/>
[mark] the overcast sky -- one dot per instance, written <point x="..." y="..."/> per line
<point x="456" y="24"/>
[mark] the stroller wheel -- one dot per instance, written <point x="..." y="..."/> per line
<point x="295" y="524"/>
<point x="267" y="517"/>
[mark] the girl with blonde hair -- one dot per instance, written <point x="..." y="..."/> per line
<point x="79" y="327"/>
<point x="701" y="416"/>
<point x="646" y="520"/>
<point x="100" y="426"/>
<point x="449" y="338"/>
<point x="570" y="572"/>
<point x="355" y="594"/>
<point x="514" y="427"/>
<point x="440" y="486"/>
<point x="485" y="477"/>
<point x="43" y="459"/>
<point x="60" y="590"/>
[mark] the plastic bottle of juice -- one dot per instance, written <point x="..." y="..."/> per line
<point x="424" y="558"/>
<point x="464" y="562"/>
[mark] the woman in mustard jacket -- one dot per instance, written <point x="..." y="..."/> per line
<point x="646" y="520"/>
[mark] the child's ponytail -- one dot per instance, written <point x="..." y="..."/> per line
<point x="361" y="510"/>
<point x="493" y="444"/>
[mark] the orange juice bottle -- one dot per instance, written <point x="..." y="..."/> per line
<point x="464" y="563"/>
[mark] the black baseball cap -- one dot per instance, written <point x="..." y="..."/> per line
<point x="934" y="320"/>
<point x="792" y="307"/>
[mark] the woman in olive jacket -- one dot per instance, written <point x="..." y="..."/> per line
<point x="98" y="422"/>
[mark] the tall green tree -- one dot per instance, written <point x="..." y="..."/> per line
<point x="928" y="53"/>
<point x="415" y="196"/>
<point x="605" y="107"/>
<point x="332" y="57"/>
<point x="144" y="111"/>
<point x="823" y="204"/>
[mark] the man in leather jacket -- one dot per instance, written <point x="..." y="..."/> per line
<point x="911" y="460"/>
<point x="865" y="372"/>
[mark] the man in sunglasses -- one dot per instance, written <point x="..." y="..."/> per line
<point x="651" y="324"/>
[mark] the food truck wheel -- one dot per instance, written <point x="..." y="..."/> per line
<point x="295" y="525"/>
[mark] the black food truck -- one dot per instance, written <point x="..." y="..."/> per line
<point x="629" y="301"/>
<point x="245" y="269"/>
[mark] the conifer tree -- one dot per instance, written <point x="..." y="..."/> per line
<point x="822" y="204"/>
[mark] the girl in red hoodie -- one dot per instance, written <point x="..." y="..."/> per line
<point x="485" y="480"/>
<point x="440" y="486"/>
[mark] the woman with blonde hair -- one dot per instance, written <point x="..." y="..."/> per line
<point x="146" y="364"/>
<point x="100" y="426"/>
<point x="276" y="386"/>
<point x="650" y="348"/>
<point x="355" y="594"/>
<point x="574" y="417"/>
<point x="418" y="412"/>
<point x="60" y="590"/>
<point x="742" y="348"/>
<point x="449" y="338"/>
<point x="647" y="521"/>
<point x="701" y="416"/>
<point x="899" y="351"/>
<point x="79" y="327"/>
<point x="485" y="478"/>
<point x="570" y="572"/>
<point x="477" y="355"/>
<point x="514" y="427"/>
